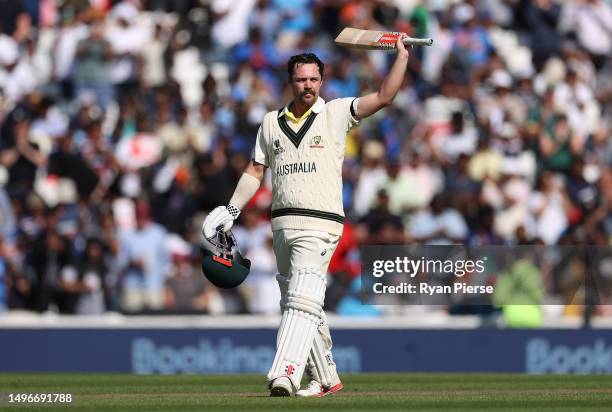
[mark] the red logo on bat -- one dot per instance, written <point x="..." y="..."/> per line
<point x="389" y="38"/>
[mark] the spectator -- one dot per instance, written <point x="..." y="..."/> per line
<point x="499" y="135"/>
<point x="73" y="30"/>
<point x="67" y="162"/>
<point x="371" y="178"/>
<point x="592" y="22"/>
<point x="185" y="290"/>
<point x="8" y="224"/>
<point x="86" y="281"/>
<point x="230" y="25"/>
<point x="261" y="286"/>
<point x="471" y="39"/>
<point x="438" y="224"/>
<point x="16" y="285"/>
<point x="267" y="19"/>
<point x="143" y="261"/>
<point x="154" y="73"/>
<point x="384" y="227"/>
<point x="253" y="231"/>
<point x="459" y="140"/>
<point x="92" y="67"/>
<point x="97" y="156"/>
<point x="20" y="156"/>
<point x="402" y="189"/>
<point x="558" y="144"/>
<point x="428" y="177"/>
<point x="541" y="18"/>
<point x="127" y="40"/>
<point x="548" y="206"/>
<point x="520" y="293"/>
<point x="15" y="20"/>
<point x="49" y="256"/>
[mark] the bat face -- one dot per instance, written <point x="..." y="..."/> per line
<point x="375" y="39"/>
<point x="367" y="39"/>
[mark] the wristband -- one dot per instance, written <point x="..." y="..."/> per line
<point x="234" y="211"/>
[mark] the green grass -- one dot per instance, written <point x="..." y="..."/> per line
<point x="364" y="392"/>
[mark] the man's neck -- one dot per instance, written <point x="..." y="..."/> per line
<point x="298" y="109"/>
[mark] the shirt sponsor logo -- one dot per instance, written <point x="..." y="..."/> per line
<point x="278" y="149"/>
<point x="291" y="168"/>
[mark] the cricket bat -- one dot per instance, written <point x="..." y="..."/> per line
<point x="375" y="39"/>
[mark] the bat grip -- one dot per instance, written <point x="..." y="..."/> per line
<point x="411" y="41"/>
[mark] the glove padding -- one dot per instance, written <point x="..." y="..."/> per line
<point x="220" y="217"/>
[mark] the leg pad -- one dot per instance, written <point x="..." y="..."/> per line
<point x="299" y="324"/>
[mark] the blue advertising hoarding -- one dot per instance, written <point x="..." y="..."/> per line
<point x="208" y="351"/>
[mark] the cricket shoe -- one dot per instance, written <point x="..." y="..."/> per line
<point x="281" y="387"/>
<point x="317" y="390"/>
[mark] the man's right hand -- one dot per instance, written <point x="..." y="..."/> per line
<point x="219" y="217"/>
<point x="402" y="50"/>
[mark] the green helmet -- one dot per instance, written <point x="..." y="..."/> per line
<point x="227" y="268"/>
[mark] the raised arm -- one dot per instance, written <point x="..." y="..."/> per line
<point x="371" y="103"/>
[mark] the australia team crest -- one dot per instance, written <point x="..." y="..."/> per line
<point x="316" y="142"/>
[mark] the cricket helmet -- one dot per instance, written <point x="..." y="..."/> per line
<point x="224" y="266"/>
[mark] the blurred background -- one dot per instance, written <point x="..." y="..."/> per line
<point x="122" y="123"/>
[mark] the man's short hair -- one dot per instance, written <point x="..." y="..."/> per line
<point x="304" y="58"/>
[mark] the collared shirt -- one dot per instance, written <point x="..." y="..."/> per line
<point x="295" y="122"/>
<point x="292" y="117"/>
<point x="305" y="157"/>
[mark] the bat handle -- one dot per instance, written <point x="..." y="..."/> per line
<point x="411" y="41"/>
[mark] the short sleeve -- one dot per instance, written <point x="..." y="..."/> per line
<point x="260" y="151"/>
<point x="342" y="113"/>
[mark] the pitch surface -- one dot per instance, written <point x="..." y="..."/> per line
<point x="367" y="392"/>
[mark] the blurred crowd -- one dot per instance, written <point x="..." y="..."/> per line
<point x="122" y="123"/>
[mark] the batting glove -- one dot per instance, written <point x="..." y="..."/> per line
<point x="221" y="218"/>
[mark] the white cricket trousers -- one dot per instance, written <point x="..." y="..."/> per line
<point x="296" y="249"/>
<point x="303" y="248"/>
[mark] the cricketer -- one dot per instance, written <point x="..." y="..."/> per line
<point x="303" y="144"/>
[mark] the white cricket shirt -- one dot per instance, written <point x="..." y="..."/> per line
<point x="306" y="164"/>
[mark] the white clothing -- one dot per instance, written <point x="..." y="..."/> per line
<point x="306" y="165"/>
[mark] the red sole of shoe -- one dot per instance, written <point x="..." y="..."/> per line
<point x="331" y="390"/>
